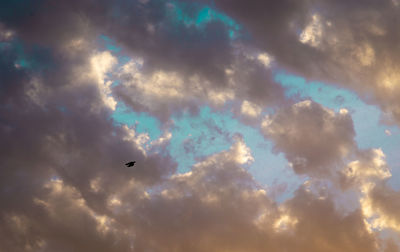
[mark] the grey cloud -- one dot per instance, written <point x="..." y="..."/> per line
<point x="144" y="29"/>
<point x="369" y="167"/>
<point x="164" y="93"/>
<point x="384" y="202"/>
<point x="54" y="124"/>
<point x="314" y="139"/>
<point x="218" y="206"/>
<point x="200" y="57"/>
<point x="321" y="227"/>
<point x="348" y="43"/>
<point x="63" y="186"/>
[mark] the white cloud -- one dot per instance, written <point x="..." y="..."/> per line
<point x="265" y="59"/>
<point x="101" y="64"/>
<point x="250" y="109"/>
<point x="313" y="32"/>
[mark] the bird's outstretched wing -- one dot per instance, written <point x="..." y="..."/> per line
<point x="129" y="164"/>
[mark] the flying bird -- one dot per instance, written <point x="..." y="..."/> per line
<point x="130" y="164"/>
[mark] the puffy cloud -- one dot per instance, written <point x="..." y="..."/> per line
<point x="380" y="205"/>
<point x="63" y="185"/>
<point x="101" y="64"/>
<point x="315" y="214"/>
<point x="94" y="205"/>
<point x="61" y="155"/>
<point x="217" y="206"/>
<point x="306" y="37"/>
<point x="370" y="167"/>
<point x="312" y="32"/>
<point x="182" y="64"/>
<point x="312" y="137"/>
<point x="249" y="109"/>
<point x="351" y="44"/>
<point x="368" y="175"/>
<point x="265" y="59"/>
<point x="163" y="93"/>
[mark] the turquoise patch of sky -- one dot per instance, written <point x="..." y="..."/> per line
<point x="198" y="136"/>
<point x="195" y="137"/>
<point x="370" y="132"/>
<point x="143" y="121"/>
<point x="109" y="44"/>
<point x="199" y="15"/>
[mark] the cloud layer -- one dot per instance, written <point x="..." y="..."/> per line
<point x="63" y="185"/>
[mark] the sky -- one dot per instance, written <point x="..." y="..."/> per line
<point x="255" y="125"/>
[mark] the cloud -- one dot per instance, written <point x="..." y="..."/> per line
<point x="249" y="109"/>
<point x="314" y="139"/>
<point x="62" y="156"/>
<point x="101" y="64"/>
<point x="217" y="206"/>
<point x="94" y="204"/>
<point x="5" y="34"/>
<point x="350" y="44"/>
<point x="187" y="64"/>
<point x="379" y="205"/>
<point x="164" y="93"/>
<point x="301" y="36"/>
<point x="63" y="183"/>
<point x="370" y="167"/>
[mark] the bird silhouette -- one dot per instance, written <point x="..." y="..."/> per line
<point x="130" y="164"/>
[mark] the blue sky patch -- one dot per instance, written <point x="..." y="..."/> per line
<point x="144" y="122"/>
<point x="199" y="15"/>
<point x="209" y="132"/>
<point x="109" y="44"/>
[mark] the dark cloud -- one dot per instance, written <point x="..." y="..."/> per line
<point x="204" y="58"/>
<point x="145" y="29"/>
<point x="164" y="93"/>
<point x="63" y="183"/>
<point x="348" y="43"/>
<point x="56" y="127"/>
<point x="217" y="206"/>
<point x="334" y="41"/>
<point x="314" y="139"/>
